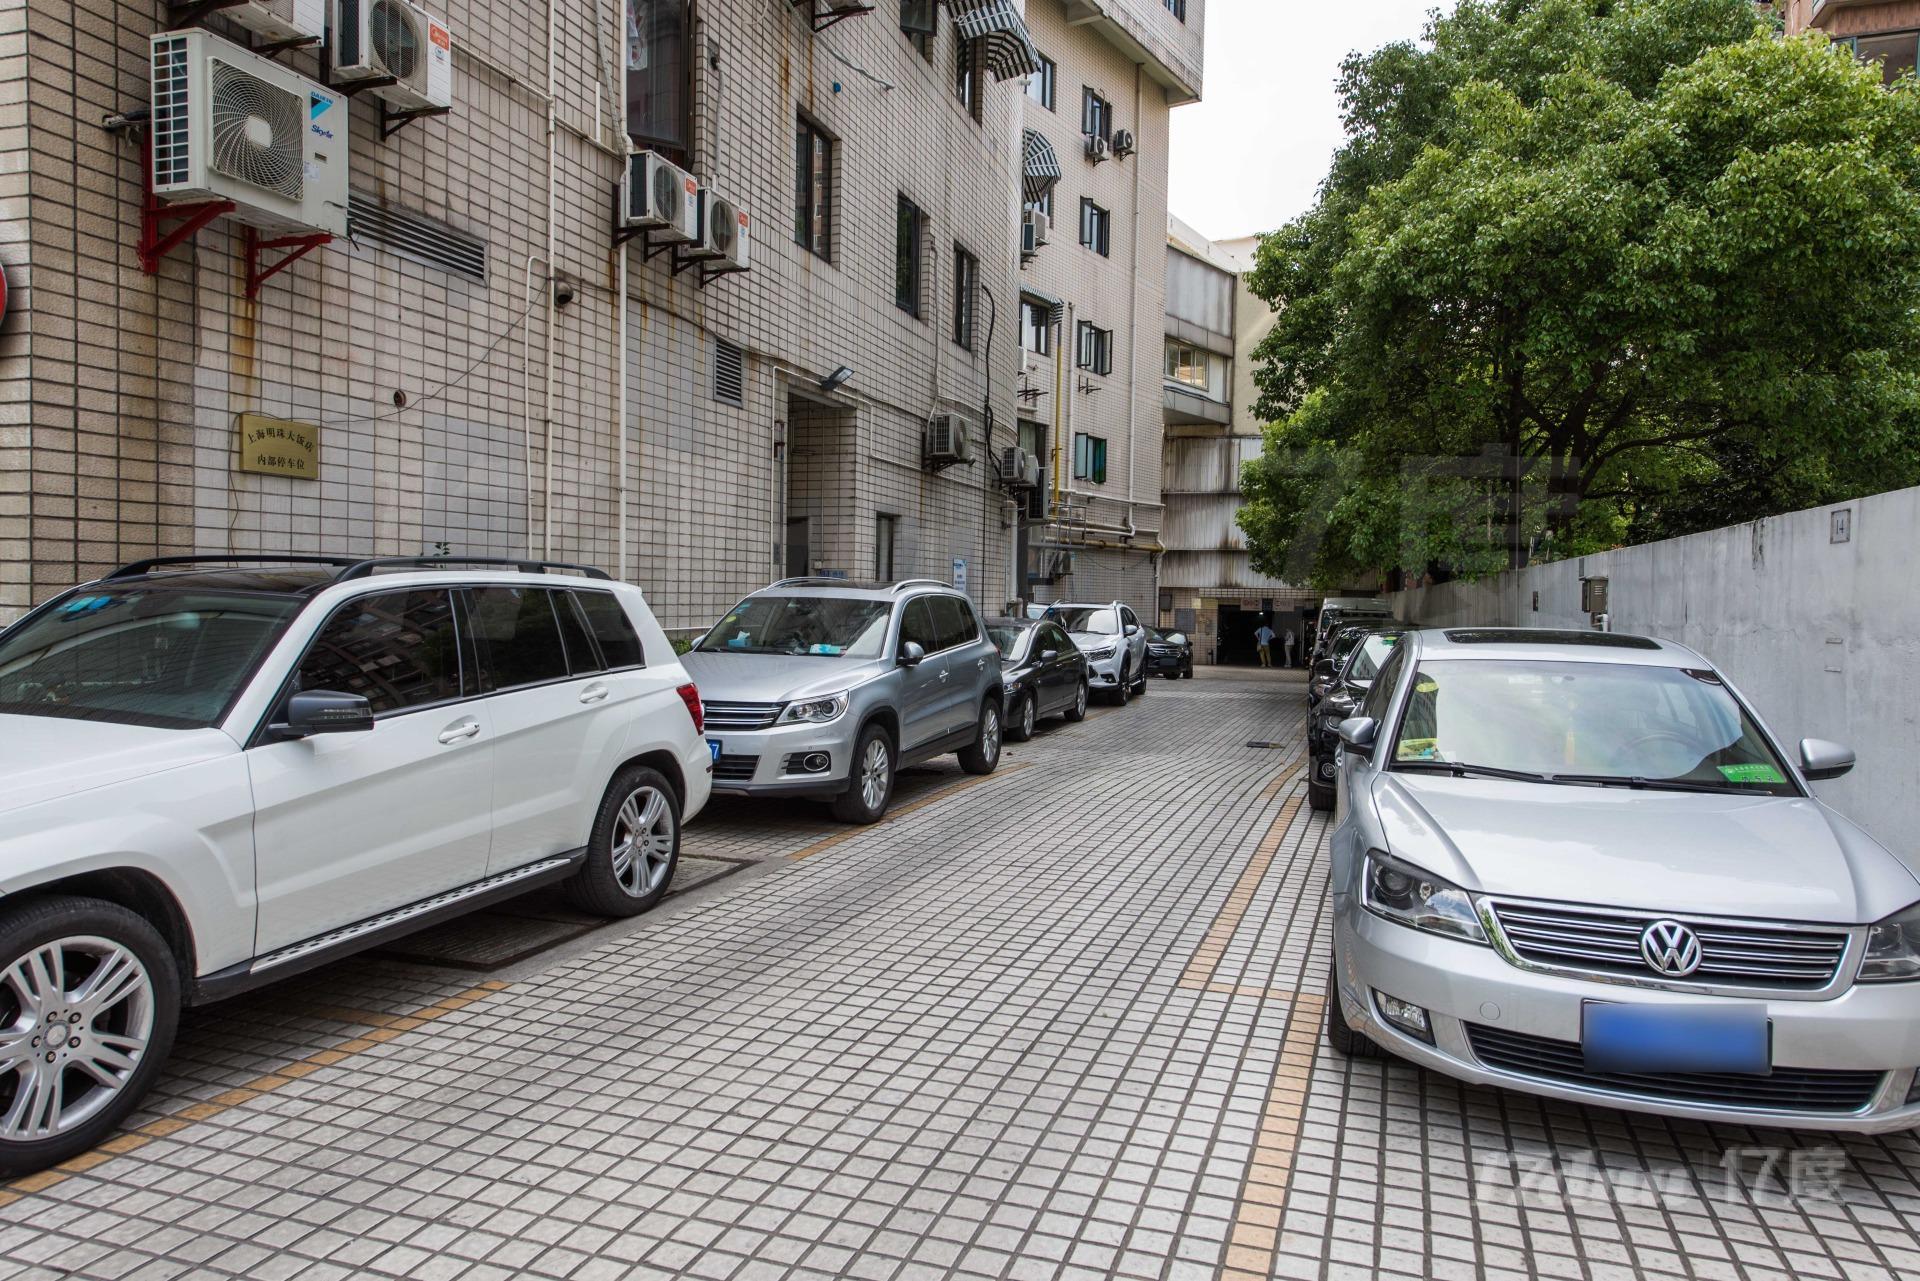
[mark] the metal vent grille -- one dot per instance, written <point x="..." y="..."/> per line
<point x="172" y="161"/>
<point x="415" y="237"/>
<point x="729" y="372"/>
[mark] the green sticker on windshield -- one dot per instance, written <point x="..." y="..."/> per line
<point x="1418" y="749"/>
<point x="1756" y="773"/>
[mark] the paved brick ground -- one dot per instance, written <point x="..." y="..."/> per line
<point x="1060" y="1023"/>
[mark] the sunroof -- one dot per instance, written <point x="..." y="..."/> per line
<point x="1534" y="636"/>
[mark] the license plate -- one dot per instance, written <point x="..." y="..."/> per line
<point x="713" y="745"/>
<point x="1734" y="1039"/>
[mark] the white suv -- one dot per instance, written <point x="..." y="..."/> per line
<point x="1115" y="644"/>
<point x="214" y="777"/>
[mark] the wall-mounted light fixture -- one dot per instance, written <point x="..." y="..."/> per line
<point x="837" y="379"/>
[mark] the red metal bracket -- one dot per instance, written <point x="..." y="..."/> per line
<point x="297" y="247"/>
<point x="157" y="239"/>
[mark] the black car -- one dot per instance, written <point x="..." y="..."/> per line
<point x="1170" y="654"/>
<point x="1326" y="667"/>
<point x="1045" y="674"/>
<point x="1344" y="693"/>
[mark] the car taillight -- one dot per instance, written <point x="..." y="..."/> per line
<point x="690" y="695"/>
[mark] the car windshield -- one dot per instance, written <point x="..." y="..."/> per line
<point x="167" y="658"/>
<point x="1086" y="618"/>
<point x="821" y="626"/>
<point x="1619" y="723"/>
<point x="1007" y="640"/>
<point x="1373" y="651"/>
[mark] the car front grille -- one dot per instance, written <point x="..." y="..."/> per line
<point x="741" y="715"/>
<point x="1732" y="954"/>
<point x="735" y="769"/>
<point x="1785" y="1090"/>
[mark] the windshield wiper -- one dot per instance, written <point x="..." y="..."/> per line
<point x="1657" y="784"/>
<point x="1460" y="769"/>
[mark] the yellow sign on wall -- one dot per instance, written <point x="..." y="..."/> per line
<point x="279" y="447"/>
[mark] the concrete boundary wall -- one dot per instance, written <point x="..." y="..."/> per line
<point x="1823" y="637"/>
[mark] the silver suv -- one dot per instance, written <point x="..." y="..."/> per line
<point x="825" y="688"/>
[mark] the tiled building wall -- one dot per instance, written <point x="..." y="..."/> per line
<point x="16" y="389"/>
<point x="136" y="380"/>
<point x="1854" y="20"/>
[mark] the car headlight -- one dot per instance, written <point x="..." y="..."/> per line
<point x="1893" y="949"/>
<point x="1404" y="893"/>
<point x="1104" y="651"/>
<point x="814" y="711"/>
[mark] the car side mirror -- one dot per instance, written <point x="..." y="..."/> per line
<point x="1048" y="655"/>
<point x="322" y="711"/>
<point x="1820" y="759"/>
<point x="1358" y="733"/>
<point x="1133" y="629"/>
<point x="912" y="654"/>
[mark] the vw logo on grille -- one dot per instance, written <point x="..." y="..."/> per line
<point x="1670" y="948"/>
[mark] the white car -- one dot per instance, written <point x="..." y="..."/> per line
<point x="211" y="778"/>
<point x="1115" y="644"/>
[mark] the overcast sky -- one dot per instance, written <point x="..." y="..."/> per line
<point x="1251" y="155"/>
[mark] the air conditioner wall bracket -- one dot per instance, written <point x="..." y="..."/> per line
<point x="392" y="122"/>
<point x="190" y="13"/>
<point x="157" y="239"/>
<point x="297" y="247"/>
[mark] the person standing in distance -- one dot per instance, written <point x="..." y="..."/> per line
<point x="1264" y="637"/>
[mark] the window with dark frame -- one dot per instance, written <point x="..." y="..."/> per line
<point x="1096" y="227"/>
<point x="966" y="294"/>
<point x="909" y="235"/>
<point x="1094" y="348"/>
<point x="659" y="77"/>
<point x="1044" y="204"/>
<point x="1036" y="327"/>
<point x="1178" y="8"/>
<point x="1096" y="115"/>
<point x="968" y="73"/>
<point x="399" y="650"/>
<point x="920" y="23"/>
<point x="1897" y="52"/>
<point x="813" y="188"/>
<point x="1043" y="84"/>
<point x="1090" y="458"/>
<point x="886" y="529"/>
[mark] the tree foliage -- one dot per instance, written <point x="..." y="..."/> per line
<point x="1588" y="271"/>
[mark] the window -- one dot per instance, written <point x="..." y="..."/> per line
<point x="1896" y="53"/>
<point x="1189" y="366"/>
<point x="1178" y="8"/>
<point x="1036" y="327"/>
<point x="966" y="293"/>
<point x="885" y="530"/>
<point x="920" y="22"/>
<point x="398" y="650"/>
<point x="967" y="67"/>
<point x="1096" y="115"/>
<point x="954" y="620"/>
<point x="917" y="625"/>
<point x="1096" y="227"/>
<point x="1041" y="85"/>
<point x="1095" y="348"/>
<point x="619" y="643"/>
<point x="659" y="76"/>
<point x="518" y="637"/>
<point x="813" y="189"/>
<point x="1090" y="458"/>
<point x="583" y="659"/>
<point x="906" y="257"/>
<point x="1044" y="204"/>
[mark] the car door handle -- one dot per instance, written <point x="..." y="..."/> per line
<point x="459" y="733"/>
<point x="595" y="693"/>
<point x="944" y="675"/>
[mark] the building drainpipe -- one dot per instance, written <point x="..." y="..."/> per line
<point x="553" y="248"/>
<point x="1133" y="363"/>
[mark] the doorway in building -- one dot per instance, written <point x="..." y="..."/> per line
<point x="797" y="561"/>
<point x="1237" y="646"/>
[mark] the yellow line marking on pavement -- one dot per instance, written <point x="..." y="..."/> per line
<point x="952" y="789"/>
<point x="385" y="1028"/>
<point x="1256" y="1227"/>
<point x="1207" y="957"/>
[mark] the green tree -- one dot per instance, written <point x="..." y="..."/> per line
<point x="1588" y="271"/>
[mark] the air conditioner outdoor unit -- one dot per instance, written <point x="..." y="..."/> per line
<point x="723" y="228"/>
<point x="660" y="196"/>
<point x="375" y="39"/>
<point x="229" y="124"/>
<point x="282" y="19"/>
<point x="1059" y="564"/>
<point x="1035" y="231"/>
<point x="1124" y="143"/>
<point x="1098" y="148"/>
<point x="947" y="440"/>
<point x="1018" y="469"/>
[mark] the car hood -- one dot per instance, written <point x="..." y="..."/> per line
<point x="1091" y="640"/>
<point x="1766" y="857"/>
<point x="776" y="678"/>
<point x="45" y="758"/>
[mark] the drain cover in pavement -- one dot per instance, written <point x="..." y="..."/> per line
<point x="1258" y="743"/>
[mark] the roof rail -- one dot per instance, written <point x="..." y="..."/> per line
<point x="136" y="568"/>
<point x="365" y="568"/>
<point x="921" y="582"/>
<point x="806" y="580"/>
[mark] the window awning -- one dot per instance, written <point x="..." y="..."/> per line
<point x="1055" y="308"/>
<point x="1040" y="166"/>
<point x="1002" y="34"/>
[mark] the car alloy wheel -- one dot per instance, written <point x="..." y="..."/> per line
<point x="1080" y="701"/>
<point x="643" y="841"/>
<point x="876" y="773"/>
<point x="76" y="1020"/>
<point x="1026" y="719"/>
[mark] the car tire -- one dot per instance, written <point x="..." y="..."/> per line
<point x="1343" y="1039"/>
<point x="1321" y="797"/>
<point x="870" y="784"/>
<point x="982" y="756"/>
<point x="1124" y="690"/>
<point x="131" y="1033"/>
<point x="1186" y="673"/>
<point x="1077" y="710"/>
<point x="1022" y="719"/>
<point x="634" y="849"/>
<point x="1140" y="682"/>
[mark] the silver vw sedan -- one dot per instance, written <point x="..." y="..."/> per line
<point x="1576" y="864"/>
